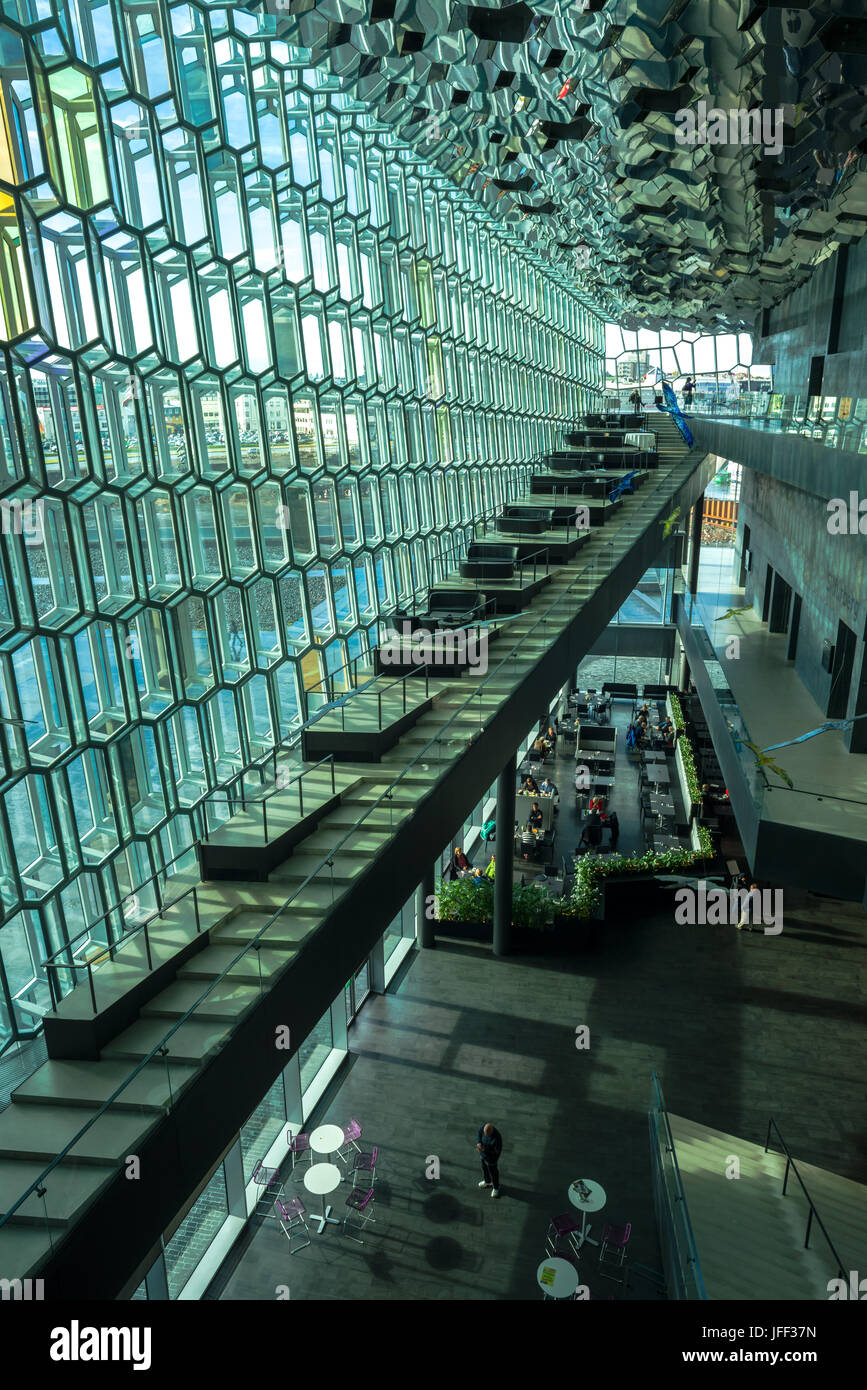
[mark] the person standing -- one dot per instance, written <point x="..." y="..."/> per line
<point x="688" y="388"/>
<point x="490" y="1146"/>
<point x="614" y="827"/>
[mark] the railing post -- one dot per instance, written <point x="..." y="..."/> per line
<point x="786" y="1175"/>
<point x="333" y="787"/>
<point x="148" y="946"/>
<point x="809" y="1224"/>
<point x="300" y="796"/>
<point x="92" y="990"/>
<point x="265" y="820"/>
<point x="50" y="974"/>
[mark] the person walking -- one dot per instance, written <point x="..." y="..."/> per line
<point x="490" y="1146"/>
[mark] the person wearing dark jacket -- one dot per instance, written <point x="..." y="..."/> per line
<point x="614" y="827"/>
<point x="490" y="1146"/>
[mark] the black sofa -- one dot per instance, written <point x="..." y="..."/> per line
<point x="525" y="521"/>
<point x="489" y="560"/>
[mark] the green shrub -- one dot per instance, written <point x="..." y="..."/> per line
<point x="462" y="901"/>
<point x="533" y="906"/>
<point x="585" y="895"/>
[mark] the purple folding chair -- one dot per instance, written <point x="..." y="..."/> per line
<point x="290" y="1214"/>
<point x="298" y="1144"/>
<point x="351" y="1133"/>
<point x="365" y="1163"/>
<point x="358" y="1202"/>
<point x="268" y="1181"/>
<point x="613" y="1248"/>
<point x="561" y="1226"/>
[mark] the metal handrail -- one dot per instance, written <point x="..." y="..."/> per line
<point x="790" y="1163"/>
<point x="288" y="743"/>
<point x="160" y="1048"/>
<point x="278" y="791"/>
<point x="680" y="1193"/>
<point x="118" y="907"/>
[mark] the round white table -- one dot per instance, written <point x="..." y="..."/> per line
<point x="319" y="1179"/>
<point x="595" y="1202"/>
<point x="327" y="1139"/>
<point x="557" y="1278"/>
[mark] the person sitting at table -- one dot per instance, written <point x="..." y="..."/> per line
<point x="460" y="862"/>
<point x="592" y="832"/>
<point x="535" y="818"/>
<point x="529" y="786"/>
<point x="491" y="869"/>
<point x="666" y="732"/>
<point x="552" y="737"/>
<point x="541" y="746"/>
<point x="548" y="788"/>
<point x="597" y="803"/>
<point x="478" y="878"/>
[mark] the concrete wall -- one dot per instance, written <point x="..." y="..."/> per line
<point x="826" y="318"/>
<point x="788" y="530"/>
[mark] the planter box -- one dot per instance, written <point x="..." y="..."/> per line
<point x="466" y="931"/>
<point x="627" y="895"/>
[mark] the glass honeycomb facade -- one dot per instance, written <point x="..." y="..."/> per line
<point x="260" y="366"/>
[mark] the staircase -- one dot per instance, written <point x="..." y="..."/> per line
<point x="750" y="1238"/>
<point x="374" y="802"/>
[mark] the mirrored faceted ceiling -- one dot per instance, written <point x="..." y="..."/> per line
<point x="564" y="115"/>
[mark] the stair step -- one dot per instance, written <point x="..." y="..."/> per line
<point x="228" y="1000"/>
<point x="210" y="964"/>
<point x="89" y="1084"/>
<point x="39" y="1132"/>
<point x="68" y="1187"/>
<point x="193" y="1042"/>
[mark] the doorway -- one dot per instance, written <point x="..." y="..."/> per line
<point x="766" y="601"/>
<point x="745" y="550"/>
<point x="781" y="603"/>
<point x="841" y="673"/>
<point x="792" y="648"/>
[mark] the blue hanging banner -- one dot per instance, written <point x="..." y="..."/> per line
<point x="672" y="408"/>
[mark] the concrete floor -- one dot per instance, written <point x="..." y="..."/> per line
<point x="739" y="1026"/>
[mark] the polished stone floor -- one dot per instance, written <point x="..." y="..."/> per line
<point x="739" y="1026"/>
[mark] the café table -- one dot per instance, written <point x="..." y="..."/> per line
<point x="327" y="1139"/>
<point x="657" y="775"/>
<point x="320" y="1178"/>
<point x="557" y="1278"/>
<point x="595" y="1202"/>
<point x="655" y="756"/>
<point x="664" y="842"/>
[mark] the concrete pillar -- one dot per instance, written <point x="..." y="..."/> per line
<point x="423" y="907"/>
<point x="505" y="853"/>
